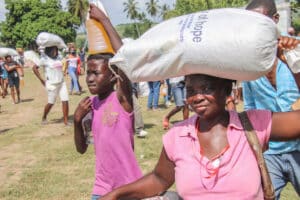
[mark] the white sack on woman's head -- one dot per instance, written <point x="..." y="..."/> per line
<point x="229" y="43"/>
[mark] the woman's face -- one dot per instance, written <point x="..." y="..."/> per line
<point x="206" y="95"/>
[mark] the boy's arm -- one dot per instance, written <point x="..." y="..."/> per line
<point x="124" y="89"/>
<point x="288" y="43"/>
<point x="114" y="37"/>
<point x="36" y="71"/>
<point x="82" y="109"/>
<point x="12" y="68"/>
<point x="153" y="184"/>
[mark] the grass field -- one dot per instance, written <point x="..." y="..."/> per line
<point x="40" y="161"/>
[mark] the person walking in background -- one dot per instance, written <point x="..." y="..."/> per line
<point x="53" y="82"/>
<point x="13" y="78"/>
<point x="112" y="122"/>
<point x="138" y="117"/>
<point x="3" y="78"/>
<point x="73" y="64"/>
<point x="168" y="93"/>
<point x="237" y="92"/>
<point x="291" y="31"/>
<point x="153" y="96"/>
<point x="1" y="72"/>
<point x="230" y="101"/>
<point x="82" y="58"/>
<point x="179" y="93"/>
<point x="277" y="91"/>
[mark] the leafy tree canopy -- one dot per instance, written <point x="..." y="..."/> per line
<point x="26" y="19"/>
<point x="188" y="6"/>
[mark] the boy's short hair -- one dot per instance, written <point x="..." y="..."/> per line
<point x="100" y="56"/>
<point x="103" y="56"/>
<point x="270" y="5"/>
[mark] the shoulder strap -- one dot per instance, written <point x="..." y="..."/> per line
<point x="253" y="141"/>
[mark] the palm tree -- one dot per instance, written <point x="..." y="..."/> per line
<point x="207" y="4"/>
<point x="152" y="7"/>
<point x="78" y="8"/>
<point x="131" y="7"/>
<point x="163" y="11"/>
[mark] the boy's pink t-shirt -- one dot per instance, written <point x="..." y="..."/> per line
<point x="112" y="130"/>
<point x="238" y="176"/>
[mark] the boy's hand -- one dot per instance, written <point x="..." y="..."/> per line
<point x="284" y="44"/>
<point x="109" y="196"/>
<point x="96" y="13"/>
<point x="84" y="106"/>
<point x="43" y="82"/>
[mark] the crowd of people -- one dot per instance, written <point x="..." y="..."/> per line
<point x="207" y="154"/>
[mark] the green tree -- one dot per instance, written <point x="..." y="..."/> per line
<point x="295" y="15"/>
<point x="164" y="10"/>
<point x="131" y="8"/>
<point x="152" y="8"/>
<point x="78" y="8"/>
<point x="188" y="6"/>
<point x="26" y="19"/>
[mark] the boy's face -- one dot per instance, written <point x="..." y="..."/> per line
<point x="99" y="77"/>
<point x="53" y="52"/>
<point x="8" y="58"/>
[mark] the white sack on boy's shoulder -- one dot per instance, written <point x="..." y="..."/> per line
<point x="230" y="43"/>
<point x="31" y="58"/>
<point x="45" y="39"/>
<point x="7" y="51"/>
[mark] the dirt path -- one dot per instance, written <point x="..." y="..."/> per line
<point x="25" y="117"/>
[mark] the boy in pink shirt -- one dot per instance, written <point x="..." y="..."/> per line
<point x="112" y="123"/>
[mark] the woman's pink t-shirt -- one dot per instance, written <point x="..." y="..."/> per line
<point x="112" y="130"/>
<point x="238" y="176"/>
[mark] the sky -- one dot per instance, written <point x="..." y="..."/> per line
<point x="114" y="9"/>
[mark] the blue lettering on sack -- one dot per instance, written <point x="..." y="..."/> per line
<point x="183" y="26"/>
<point x="198" y="27"/>
<point x="195" y="25"/>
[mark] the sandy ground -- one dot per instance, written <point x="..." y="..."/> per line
<point x="25" y="115"/>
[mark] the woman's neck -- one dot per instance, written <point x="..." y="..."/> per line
<point x="208" y="124"/>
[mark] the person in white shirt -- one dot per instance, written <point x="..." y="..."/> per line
<point x="54" y="81"/>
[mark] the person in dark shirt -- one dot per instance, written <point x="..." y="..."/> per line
<point x="13" y="78"/>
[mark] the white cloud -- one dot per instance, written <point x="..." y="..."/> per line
<point x="2" y="10"/>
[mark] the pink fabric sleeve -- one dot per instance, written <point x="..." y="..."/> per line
<point x="262" y="122"/>
<point x="168" y="143"/>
